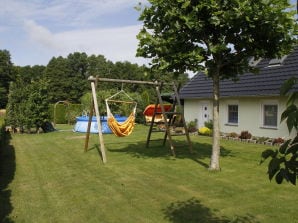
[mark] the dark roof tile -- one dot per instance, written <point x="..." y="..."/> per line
<point x="267" y="82"/>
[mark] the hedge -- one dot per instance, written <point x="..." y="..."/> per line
<point x="65" y="114"/>
<point x="2" y="130"/>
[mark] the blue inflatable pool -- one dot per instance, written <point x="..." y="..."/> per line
<point x="82" y="124"/>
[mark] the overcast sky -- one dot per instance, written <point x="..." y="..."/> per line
<point x="34" y="31"/>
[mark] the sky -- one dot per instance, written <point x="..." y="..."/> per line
<point x="34" y="31"/>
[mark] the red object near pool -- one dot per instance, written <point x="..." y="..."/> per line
<point x="149" y="111"/>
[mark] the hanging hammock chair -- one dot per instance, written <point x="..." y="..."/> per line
<point x="124" y="128"/>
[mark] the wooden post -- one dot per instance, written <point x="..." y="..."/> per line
<point x="165" y="117"/>
<point x="89" y="125"/>
<point x="101" y="142"/>
<point x="182" y="117"/>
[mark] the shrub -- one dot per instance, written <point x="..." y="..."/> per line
<point x="28" y="104"/>
<point x="233" y="135"/>
<point x="262" y="140"/>
<point x="74" y="111"/>
<point x="245" y="135"/>
<point x="192" y="126"/>
<point x="66" y="113"/>
<point x="209" y="124"/>
<point x="278" y="141"/>
<point x="205" y="131"/>
<point x="2" y="130"/>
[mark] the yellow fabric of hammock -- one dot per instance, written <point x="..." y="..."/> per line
<point x="125" y="128"/>
<point x="122" y="129"/>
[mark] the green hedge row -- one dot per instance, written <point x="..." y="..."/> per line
<point x="65" y="114"/>
<point x="2" y="130"/>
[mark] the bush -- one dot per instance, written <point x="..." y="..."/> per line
<point x="74" y="111"/>
<point x="66" y="113"/>
<point x="61" y="111"/>
<point x="28" y="104"/>
<point x="2" y="130"/>
<point x="192" y="126"/>
<point x="209" y="124"/>
<point x="205" y="131"/>
<point x="278" y="141"/>
<point x="233" y="135"/>
<point x="245" y="135"/>
<point x="262" y="140"/>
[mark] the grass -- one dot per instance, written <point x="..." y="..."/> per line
<point x="49" y="178"/>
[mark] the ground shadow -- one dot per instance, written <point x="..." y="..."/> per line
<point x="199" y="152"/>
<point x="192" y="211"/>
<point x="7" y="172"/>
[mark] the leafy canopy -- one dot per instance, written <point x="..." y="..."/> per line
<point x="284" y="161"/>
<point x="291" y="112"/>
<point x="5" y="76"/>
<point x="218" y="35"/>
<point x="28" y="104"/>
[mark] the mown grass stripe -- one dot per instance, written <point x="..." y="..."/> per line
<point x="55" y="181"/>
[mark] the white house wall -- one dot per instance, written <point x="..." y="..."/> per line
<point x="249" y="115"/>
<point x="194" y="110"/>
<point x="191" y="110"/>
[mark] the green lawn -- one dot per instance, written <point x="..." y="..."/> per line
<point x="49" y="178"/>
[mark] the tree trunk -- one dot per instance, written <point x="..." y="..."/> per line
<point x="214" y="163"/>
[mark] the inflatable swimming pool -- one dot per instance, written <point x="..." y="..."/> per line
<point x="82" y="124"/>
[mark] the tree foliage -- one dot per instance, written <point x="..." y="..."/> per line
<point x="58" y="75"/>
<point x="33" y="88"/>
<point x="67" y="77"/>
<point x="28" y="105"/>
<point x="284" y="161"/>
<point x="15" y="110"/>
<point x="217" y="37"/>
<point x="37" y="105"/>
<point x="291" y="112"/>
<point x="6" y="76"/>
<point x="28" y="73"/>
<point x="181" y="35"/>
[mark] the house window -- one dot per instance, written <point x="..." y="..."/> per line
<point x="233" y="114"/>
<point x="270" y="115"/>
<point x="277" y="61"/>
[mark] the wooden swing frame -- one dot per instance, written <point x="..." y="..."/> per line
<point x="94" y="107"/>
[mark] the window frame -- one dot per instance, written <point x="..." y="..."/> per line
<point x="229" y="120"/>
<point x="263" y="113"/>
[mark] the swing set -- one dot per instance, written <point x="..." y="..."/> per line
<point x="125" y="128"/>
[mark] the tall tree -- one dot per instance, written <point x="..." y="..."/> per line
<point x="28" y="73"/>
<point x="67" y="77"/>
<point x="56" y="73"/>
<point x="215" y="36"/>
<point x="5" y="76"/>
<point x="99" y="66"/>
<point x="77" y="76"/>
